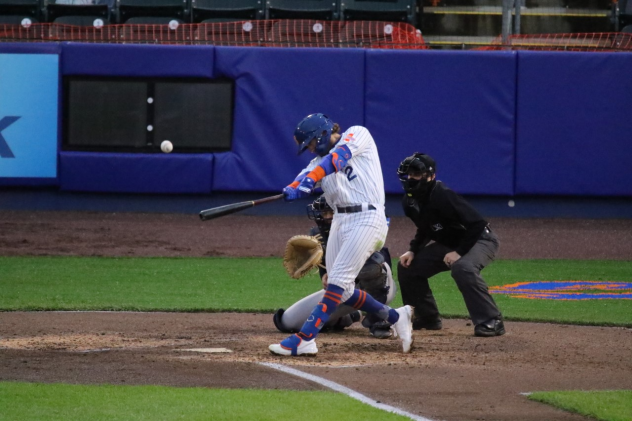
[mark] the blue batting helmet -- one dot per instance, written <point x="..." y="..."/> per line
<point x="317" y="126"/>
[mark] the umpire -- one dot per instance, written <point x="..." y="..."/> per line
<point x="463" y="244"/>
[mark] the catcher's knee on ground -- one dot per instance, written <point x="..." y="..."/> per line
<point x="278" y="322"/>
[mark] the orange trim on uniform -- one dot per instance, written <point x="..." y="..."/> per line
<point x="318" y="322"/>
<point x="323" y="307"/>
<point x="334" y="158"/>
<point x="294" y="184"/>
<point x="333" y="294"/>
<point x="335" y="298"/>
<point x="317" y="173"/>
<point x="361" y="300"/>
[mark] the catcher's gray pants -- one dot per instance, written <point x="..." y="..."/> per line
<point x="294" y="317"/>
<point x="413" y="281"/>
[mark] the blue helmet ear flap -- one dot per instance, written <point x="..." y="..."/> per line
<point x="315" y="126"/>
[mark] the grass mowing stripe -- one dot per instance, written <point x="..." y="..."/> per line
<point x="170" y="284"/>
<point x="51" y="402"/>
<point x="261" y="285"/>
<point x="606" y="405"/>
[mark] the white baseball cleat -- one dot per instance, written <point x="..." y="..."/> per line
<point x="305" y="348"/>
<point x="404" y="327"/>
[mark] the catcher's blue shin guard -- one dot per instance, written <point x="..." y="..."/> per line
<point x="365" y="302"/>
<point x="317" y="319"/>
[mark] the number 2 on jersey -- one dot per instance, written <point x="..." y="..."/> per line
<point x="349" y="171"/>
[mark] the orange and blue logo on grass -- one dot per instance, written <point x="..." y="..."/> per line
<point x="567" y="290"/>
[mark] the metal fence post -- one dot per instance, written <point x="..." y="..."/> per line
<point x="506" y="28"/>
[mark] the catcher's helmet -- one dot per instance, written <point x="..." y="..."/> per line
<point x="315" y="213"/>
<point x="418" y="164"/>
<point x="317" y="126"/>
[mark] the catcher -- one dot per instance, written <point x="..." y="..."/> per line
<point x="304" y="253"/>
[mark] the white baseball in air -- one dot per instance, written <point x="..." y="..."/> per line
<point x="173" y="25"/>
<point x="511" y="203"/>
<point x="166" y="146"/>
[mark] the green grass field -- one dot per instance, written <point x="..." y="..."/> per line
<point x="258" y="285"/>
<point x="63" y="402"/>
<point x="606" y="405"/>
<point x="261" y="285"/>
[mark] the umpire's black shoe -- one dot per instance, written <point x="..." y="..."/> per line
<point x="419" y="324"/>
<point x="492" y="327"/>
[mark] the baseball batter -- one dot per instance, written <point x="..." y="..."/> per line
<point x="375" y="277"/>
<point x="349" y="172"/>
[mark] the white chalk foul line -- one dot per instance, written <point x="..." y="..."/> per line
<point x="345" y="390"/>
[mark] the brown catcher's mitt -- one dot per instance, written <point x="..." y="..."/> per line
<point x="302" y="254"/>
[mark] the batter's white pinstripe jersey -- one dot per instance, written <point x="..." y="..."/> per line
<point x="361" y="180"/>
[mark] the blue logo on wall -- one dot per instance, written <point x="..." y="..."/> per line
<point x="5" y="150"/>
<point x="29" y="90"/>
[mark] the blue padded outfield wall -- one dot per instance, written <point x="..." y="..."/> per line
<point x="498" y="123"/>
<point x="456" y="107"/>
<point x="574" y="132"/>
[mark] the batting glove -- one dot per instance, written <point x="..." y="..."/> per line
<point x="306" y="187"/>
<point x="290" y="194"/>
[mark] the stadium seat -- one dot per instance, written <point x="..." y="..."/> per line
<point x="21" y="8"/>
<point x="226" y="9"/>
<point x="172" y="9"/>
<point x="303" y="33"/>
<point x="157" y="20"/>
<point x="236" y="33"/>
<point x="80" y="20"/>
<point x="220" y="20"/>
<point x="81" y="28"/>
<point x="15" y="19"/>
<point x="303" y="9"/>
<point x="55" y="10"/>
<point x="154" y="30"/>
<point x="376" y="10"/>
<point x="376" y="34"/>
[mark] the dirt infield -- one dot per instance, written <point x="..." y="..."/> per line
<point x="450" y="375"/>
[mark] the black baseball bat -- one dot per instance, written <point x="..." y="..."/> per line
<point x="213" y="213"/>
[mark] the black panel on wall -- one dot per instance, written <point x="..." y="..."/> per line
<point x="194" y="115"/>
<point x="102" y="113"/>
<point x="136" y="115"/>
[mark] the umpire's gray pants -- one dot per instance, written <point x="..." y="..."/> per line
<point x="413" y="280"/>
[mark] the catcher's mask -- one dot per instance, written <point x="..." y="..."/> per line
<point x="315" y="212"/>
<point x="314" y="126"/>
<point x="416" y="165"/>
